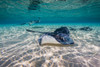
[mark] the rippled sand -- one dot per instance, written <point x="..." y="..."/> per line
<point x="19" y="48"/>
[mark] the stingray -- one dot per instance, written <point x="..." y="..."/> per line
<point x="32" y="22"/>
<point x="37" y="27"/>
<point x="61" y="35"/>
<point x="34" y="4"/>
<point x="86" y="29"/>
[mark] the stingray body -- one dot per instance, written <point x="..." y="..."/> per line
<point x="59" y="36"/>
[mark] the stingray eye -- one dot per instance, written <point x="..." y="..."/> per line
<point x="57" y="32"/>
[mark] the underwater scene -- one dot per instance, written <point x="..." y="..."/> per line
<point x="50" y="33"/>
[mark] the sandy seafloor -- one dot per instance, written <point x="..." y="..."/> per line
<point x="19" y="48"/>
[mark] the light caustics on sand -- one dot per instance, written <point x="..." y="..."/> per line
<point x="23" y="49"/>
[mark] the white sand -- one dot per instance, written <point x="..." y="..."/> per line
<point x="20" y="48"/>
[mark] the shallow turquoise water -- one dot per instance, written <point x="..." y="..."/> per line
<point x="19" y="48"/>
<point x="14" y="11"/>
